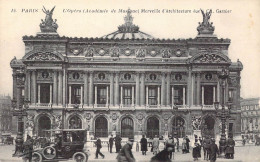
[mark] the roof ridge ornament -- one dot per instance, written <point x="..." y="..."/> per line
<point x="128" y="26"/>
<point x="206" y="28"/>
<point x="48" y="25"/>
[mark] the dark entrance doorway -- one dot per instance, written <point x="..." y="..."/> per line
<point x="101" y="127"/>
<point x="152" y="127"/>
<point x="44" y="123"/>
<point x="178" y="127"/>
<point x="127" y="127"/>
<point x="208" y="127"/>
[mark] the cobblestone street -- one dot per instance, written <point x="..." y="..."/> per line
<point x="246" y="153"/>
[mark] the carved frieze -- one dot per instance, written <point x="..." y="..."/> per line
<point x="127" y="77"/>
<point x="152" y="77"/>
<point x="114" y="51"/>
<point x="89" y="52"/>
<point x="44" y="75"/>
<point x="140" y="52"/>
<point x="101" y="77"/>
<point x="210" y="58"/>
<point x="44" y="56"/>
<point x="165" y="52"/>
<point x="75" y="76"/>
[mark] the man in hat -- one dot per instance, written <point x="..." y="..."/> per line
<point x="163" y="156"/>
<point x="213" y="149"/>
<point x="118" y="143"/>
<point x="125" y="154"/>
<point x="111" y="141"/>
<point x="230" y="148"/>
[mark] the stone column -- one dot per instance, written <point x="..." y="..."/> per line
<point x="107" y="96"/>
<point x="95" y="95"/>
<point x="189" y="88"/>
<point x="65" y="90"/>
<point x="91" y="88"/>
<point x="214" y="94"/>
<point x="198" y="89"/>
<point x="39" y="93"/>
<point x="168" y="89"/>
<point x="27" y="85"/>
<point x="159" y="96"/>
<point x="184" y="96"/>
<point x="60" y="89"/>
<point x="147" y="103"/>
<point x="163" y="90"/>
<point x="218" y="91"/>
<point x="116" y="99"/>
<point x="202" y="95"/>
<point x="142" y="87"/>
<point x="86" y="89"/>
<point x="34" y="87"/>
<point x="81" y="95"/>
<point x="137" y="91"/>
<point x="55" y="88"/>
<point x="50" y="94"/>
<point x="111" y="89"/>
<point x="69" y="94"/>
<point x="192" y="89"/>
<point x="172" y="95"/>
<point x="133" y="95"/>
<point x="121" y="95"/>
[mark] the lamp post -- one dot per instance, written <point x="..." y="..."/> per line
<point x="223" y="115"/>
<point x="18" y="110"/>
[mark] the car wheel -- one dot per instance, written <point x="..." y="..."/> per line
<point x="36" y="157"/>
<point x="80" y="157"/>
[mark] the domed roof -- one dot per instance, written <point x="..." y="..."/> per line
<point x="128" y="30"/>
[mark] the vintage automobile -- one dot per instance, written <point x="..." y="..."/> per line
<point x="69" y="144"/>
<point x="7" y="139"/>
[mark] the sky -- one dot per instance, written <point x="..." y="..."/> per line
<point x="240" y="23"/>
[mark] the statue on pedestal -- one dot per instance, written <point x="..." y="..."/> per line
<point x="206" y="27"/>
<point x="48" y="25"/>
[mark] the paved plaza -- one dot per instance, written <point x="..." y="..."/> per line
<point x="245" y="153"/>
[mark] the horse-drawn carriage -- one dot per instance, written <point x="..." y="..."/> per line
<point x="69" y="144"/>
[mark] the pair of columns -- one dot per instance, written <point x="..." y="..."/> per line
<point x="31" y="87"/>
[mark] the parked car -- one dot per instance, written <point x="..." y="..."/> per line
<point x="69" y="144"/>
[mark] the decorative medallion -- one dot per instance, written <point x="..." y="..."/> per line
<point x="76" y="51"/>
<point x="140" y="116"/>
<point x="102" y="52"/>
<point x="114" y="116"/>
<point x="101" y="76"/>
<point x="208" y="76"/>
<point x="152" y="76"/>
<point x="153" y="52"/>
<point x="75" y="75"/>
<point x="88" y="116"/>
<point x="166" y="116"/>
<point x="45" y="74"/>
<point x="127" y="76"/>
<point x="178" y="77"/>
<point x="179" y="52"/>
<point x="128" y="52"/>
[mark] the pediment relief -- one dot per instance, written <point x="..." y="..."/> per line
<point x="43" y="54"/>
<point x="210" y="58"/>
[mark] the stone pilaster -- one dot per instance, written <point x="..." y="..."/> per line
<point x="34" y="87"/>
<point x="64" y="88"/>
<point x="189" y="87"/>
<point x="116" y="99"/>
<point x="142" y="90"/>
<point x="198" y="89"/>
<point x="163" y="89"/>
<point x="55" y="87"/>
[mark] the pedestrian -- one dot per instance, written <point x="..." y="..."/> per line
<point x="28" y="149"/>
<point x="213" y="150"/>
<point x="171" y="142"/>
<point x="143" y="143"/>
<point x="111" y="141"/>
<point x="184" y="146"/>
<point x="188" y="144"/>
<point x="206" y="147"/>
<point x="163" y="156"/>
<point x="99" y="146"/>
<point x="155" y="145"/>
<point x="118" y="140"/>
<point x="137" y="146"/>
<point x="196" y="151"/>
<point x="125" y="154"/>
<point x="177" y="143"/>
<point x="230" y="148"/>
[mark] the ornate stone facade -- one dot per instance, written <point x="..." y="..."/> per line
<point x="128" y="85"/>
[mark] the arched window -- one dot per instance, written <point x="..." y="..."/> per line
<point x="44" y="123"/>
<point x="101" y="127"/>
<point x="152" y="127"/>
<point x="75" y="123"/>
<point x="178" y="127"/>
<point x="127" y="127"/>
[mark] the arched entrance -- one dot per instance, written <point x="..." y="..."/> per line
<point x="44" y="123"/>
<point x="127" y="127"/>
<point x="208" y="125"/>
<point x="101" y="127"/>
<point x="75" y="123"/>
<point x="152" y="127"/>
<point x="178" y="127"/>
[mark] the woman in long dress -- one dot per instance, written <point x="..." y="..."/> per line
<point x="196" y="151"/>
<point x="184" y="146"/>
